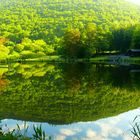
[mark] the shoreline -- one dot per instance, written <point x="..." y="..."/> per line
<point x="101" y="59"/>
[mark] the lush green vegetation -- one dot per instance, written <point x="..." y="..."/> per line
<point x="30" y="29"/>
<point x="66" y="93"/>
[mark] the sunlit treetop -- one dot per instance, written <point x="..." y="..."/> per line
<point x="135" y="1"/>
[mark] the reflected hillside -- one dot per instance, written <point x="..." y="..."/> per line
<point x="67" y="93"/>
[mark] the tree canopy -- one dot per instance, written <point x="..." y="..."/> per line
<point x="73" y="28"/>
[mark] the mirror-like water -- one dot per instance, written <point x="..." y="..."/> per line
<point x="72" y="101"/>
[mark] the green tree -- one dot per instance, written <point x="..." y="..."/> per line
<point x="136" y="38"/>
<point x="72" y="42"/>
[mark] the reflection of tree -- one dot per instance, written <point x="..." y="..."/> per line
<point x="3" y="84"/>
<point x="73" y="75"/>
<point x="3" y="71"/>
<point x="68" y="93"/>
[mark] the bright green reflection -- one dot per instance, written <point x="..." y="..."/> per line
<point x="66" y="93"/>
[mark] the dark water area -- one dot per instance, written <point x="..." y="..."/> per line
<point x="74" y="97"/>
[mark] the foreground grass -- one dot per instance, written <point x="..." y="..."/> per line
<point x="136" y="128"/>
<point x="17" y="134"/>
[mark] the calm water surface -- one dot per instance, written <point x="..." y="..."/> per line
<point x="72" y="101"/>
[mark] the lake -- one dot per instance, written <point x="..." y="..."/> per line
<point x="72" y="101"/>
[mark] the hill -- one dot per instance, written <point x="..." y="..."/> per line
<point x="75" y="28"/>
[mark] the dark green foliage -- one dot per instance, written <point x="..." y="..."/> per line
<point x="122" y="39"/>
<point x="136" y="38"/>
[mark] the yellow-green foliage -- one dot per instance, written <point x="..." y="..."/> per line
<point x="70" y="28"/>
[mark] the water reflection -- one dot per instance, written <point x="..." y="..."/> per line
<point x="69" y="93"/>
<point x="112" y="128"/>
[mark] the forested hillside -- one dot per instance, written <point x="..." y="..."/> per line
<point x="76" y="28"/>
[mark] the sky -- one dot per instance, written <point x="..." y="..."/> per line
<point x="135" y="1"/>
